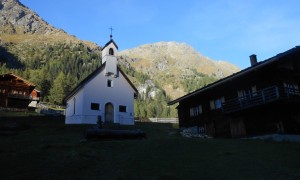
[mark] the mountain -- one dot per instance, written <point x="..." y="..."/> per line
<point x="56" y="62"/>
<point x="171" y="64"/>
<point x="18" y="24"/>
<point x="15" y="18"/>
<point x="20" y="27"/>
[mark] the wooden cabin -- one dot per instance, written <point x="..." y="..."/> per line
<point x="16" y="92"/>
<point x="261" y="99"/>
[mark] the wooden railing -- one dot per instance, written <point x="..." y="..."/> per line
<point x="21" y="96"/>
<point x="263" y="96"/>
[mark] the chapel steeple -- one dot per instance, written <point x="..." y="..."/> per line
<point x="109" y="52"/>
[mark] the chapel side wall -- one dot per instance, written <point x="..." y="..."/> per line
<point x="70" y="107"/>
<point x="96" y="91"/>
<point x="126" y="98"/>
<point x="74" y="114"/>
<point x="80" y="102"/>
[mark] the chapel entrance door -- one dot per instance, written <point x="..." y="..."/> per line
<point x="109" y="113"/>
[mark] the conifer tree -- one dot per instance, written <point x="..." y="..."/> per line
<point x="57" y="91"/>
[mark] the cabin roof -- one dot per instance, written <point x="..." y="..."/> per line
<point x="91" y="76"/>
<point x="237" y="75"/>
<point x="18" y="78"/>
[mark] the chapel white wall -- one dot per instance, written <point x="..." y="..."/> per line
<point x="77" y="100"/>
<point x="121" y="93"/>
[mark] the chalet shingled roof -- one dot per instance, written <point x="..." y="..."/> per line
<point x="250" y="69"/>
<point x="11" y="75"/>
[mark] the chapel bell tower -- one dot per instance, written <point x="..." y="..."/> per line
<point x="109" y="52"/>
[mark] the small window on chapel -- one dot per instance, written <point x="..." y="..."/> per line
<point x="95" y="106"/>
<point x="122" y="108"/>
<point x="109" y="83"/>
<point x="111" y="51"/>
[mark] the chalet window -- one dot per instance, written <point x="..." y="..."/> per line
<point x="195" y="111"/>
<point x="212" y="104"/>
<point x="291" y="88"/>
<point x="247" y="93"/>
<point x="109" y="83"/>
<point x="95" y="106"/>
<point x="217" y="103"/>
<point x="191" y="112"/>
<point x="253" y="90"/>
<point x="199" y="109"/>
<point x="122" y="108"/>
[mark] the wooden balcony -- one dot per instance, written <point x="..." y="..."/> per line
<point x="261" y="97"/>
<point x="21" y="96"/>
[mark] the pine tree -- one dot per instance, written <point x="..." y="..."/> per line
<point x="57" y="91"/>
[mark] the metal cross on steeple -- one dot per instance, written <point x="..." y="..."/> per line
<point x="111" y="30"/>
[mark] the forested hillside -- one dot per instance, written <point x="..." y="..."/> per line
<point x="55" y="69"/>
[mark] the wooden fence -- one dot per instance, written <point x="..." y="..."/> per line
<point x="164" y="120"/>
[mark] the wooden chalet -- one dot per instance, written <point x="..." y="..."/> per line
<point x="16" y="92"/>
<point x="261" y="99"/>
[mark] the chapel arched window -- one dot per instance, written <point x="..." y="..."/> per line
<point x="111" y="51"/>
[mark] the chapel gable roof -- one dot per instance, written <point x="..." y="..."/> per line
<point x="111" y="41"/>
<point x="91" y="76"/>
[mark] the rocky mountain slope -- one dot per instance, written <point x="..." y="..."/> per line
<point x="20" y="25"/>
<point x="17" y="19"/>
<point x="172" y="63"/>
<point x="165" y="56"/>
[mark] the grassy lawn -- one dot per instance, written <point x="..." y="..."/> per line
<point x="43" y="147"/>
<point x="17" y="114"/>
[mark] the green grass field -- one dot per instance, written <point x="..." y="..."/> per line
<point x="40" y="147"/>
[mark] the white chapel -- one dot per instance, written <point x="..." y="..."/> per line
<point x="106" y="93"/>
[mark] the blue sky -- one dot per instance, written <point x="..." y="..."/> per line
<point x="229" y="30"/>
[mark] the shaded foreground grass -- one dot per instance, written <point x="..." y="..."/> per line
<point x="45" y="148"/>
